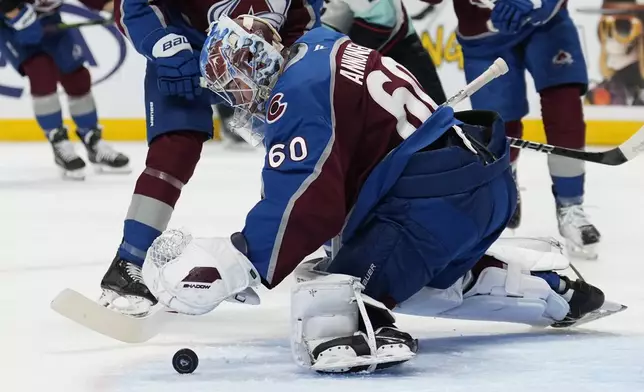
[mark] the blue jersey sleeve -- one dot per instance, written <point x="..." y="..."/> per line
<point x="302" y="202"/>
<point x="142" y="22"/>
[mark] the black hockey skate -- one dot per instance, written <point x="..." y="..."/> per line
<point x="71" y="165"/>
<point x="515" y="219"/>
<point x="102" y="155"/>
<point x="581" y="236"/>
<point x="123" y="280"/>
<point x="390" y="342"/>
<point x="587" y="303"/>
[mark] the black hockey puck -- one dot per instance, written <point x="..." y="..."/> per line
<point x="185" y="361"/>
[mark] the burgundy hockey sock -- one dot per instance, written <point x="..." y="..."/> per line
<point x="43" y="81"/>
<point x="514" y="129"/>
<point x="82" y="107"/>
<point x="563" y="119"/>
<point x="77" y="83"/>
<point x="170" y="163"/>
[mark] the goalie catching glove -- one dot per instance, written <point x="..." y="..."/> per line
<point x="194" y="275"/>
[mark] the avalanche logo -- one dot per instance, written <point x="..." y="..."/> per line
<point x="101" y="70"/>
<point x="276" y="108"/>
<point x="562" y="58"/>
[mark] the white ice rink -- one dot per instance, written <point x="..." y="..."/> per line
<point x="59" y="234"/>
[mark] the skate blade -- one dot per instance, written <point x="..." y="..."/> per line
<point x="104" y="169"/>
<point x="82" y="310"/>
<point x="73" y="175"/>
<point x="608" y="309"/>
<point x="587" y="252"/>
<point x="344" y="364"/>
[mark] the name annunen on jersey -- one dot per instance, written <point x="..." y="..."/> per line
<point x="353" y="62"/>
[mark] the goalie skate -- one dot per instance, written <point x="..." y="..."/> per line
<point x="587" y="303"/>
<point x="352" y="354"/>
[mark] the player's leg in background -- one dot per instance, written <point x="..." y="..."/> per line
<point x="82" y="107"/>
<point x="40" y="69"/>
<point x="411" y="54"/>
<point x="77" y="83"/>
<point x="387" y="28"/>
<point x="176" y="130"/>
<point x="555" y="59"/>
<point x="507" y="96"/>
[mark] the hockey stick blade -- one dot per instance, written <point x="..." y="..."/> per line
<point x="82" y="310"/>
<point x="625" y="152"/>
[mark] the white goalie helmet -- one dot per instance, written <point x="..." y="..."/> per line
<point x="241" y="61"/>
<point x="194" y="275"/>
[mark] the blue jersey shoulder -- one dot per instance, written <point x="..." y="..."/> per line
<point x="303" y="91"/>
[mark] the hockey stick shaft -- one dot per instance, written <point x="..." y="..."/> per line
<point x="623" y="153"/>
<point x="498" y="68"/>
<point x="617" y="156"/>
<point x="68" y="26"/>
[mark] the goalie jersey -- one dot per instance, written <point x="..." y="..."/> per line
<point x="342" y="124"/>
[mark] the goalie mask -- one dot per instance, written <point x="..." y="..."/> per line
<point x="241" y="61"/>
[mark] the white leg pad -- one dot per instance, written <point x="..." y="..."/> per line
<point x="498" y="295"/>
<point x="431" y="302"/>
<point x="530" y="254"/>
<point x="322" y="309"/>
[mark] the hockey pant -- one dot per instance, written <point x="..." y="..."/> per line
<point x="443" y="213"/>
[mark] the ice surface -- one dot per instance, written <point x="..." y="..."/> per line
<point x="59" y="234"/>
